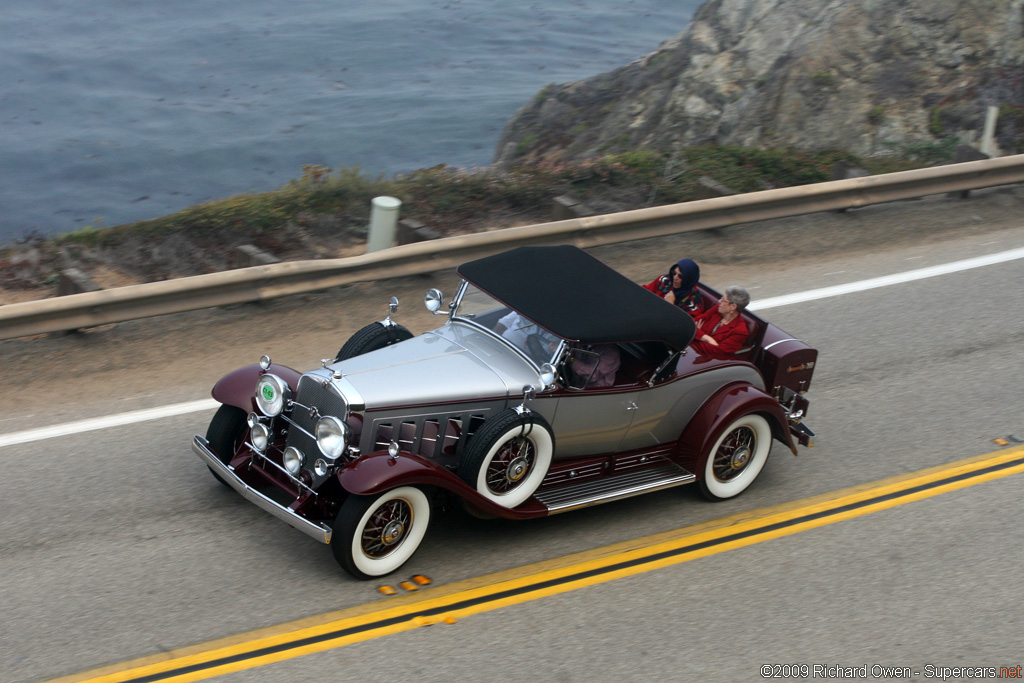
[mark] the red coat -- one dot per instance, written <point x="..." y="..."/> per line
<point x="730" y="336"/>
<point x="656" y="287"/>
<point x="693" y="304"/>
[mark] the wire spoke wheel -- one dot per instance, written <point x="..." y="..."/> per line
<point x="735" y="453"/>
<point x="508" y="457"/>
<point x="386" y="528"/>
<point x="736" y="457"/>
<point x="374" y="536"/>
<point x="510" y="465"/>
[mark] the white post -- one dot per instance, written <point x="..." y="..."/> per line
<point x="988" y="138"/>
<point x="383" y="221"/>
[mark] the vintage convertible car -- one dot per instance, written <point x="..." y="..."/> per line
<point x="505" y="409"/>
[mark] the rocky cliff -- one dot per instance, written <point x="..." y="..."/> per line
<point x="867" y="76"/>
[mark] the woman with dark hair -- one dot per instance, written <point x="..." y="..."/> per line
<point x="679" y="287"/>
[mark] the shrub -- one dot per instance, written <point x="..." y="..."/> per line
<point x="823" y="79"/>
<point x="931" y="152"/>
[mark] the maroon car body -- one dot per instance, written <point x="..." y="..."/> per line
<point x="353" y="453"/>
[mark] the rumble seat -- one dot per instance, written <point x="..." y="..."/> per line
<point x="755" y="326"/>
<point x="756" y="329"/>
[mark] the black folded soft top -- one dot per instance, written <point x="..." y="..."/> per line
<point x="571" y="294"/>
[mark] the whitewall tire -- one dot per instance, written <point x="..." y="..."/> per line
<point x="375" y="535"/>
<point x="736" y="457"/>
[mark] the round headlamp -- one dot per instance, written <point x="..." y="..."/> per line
<point x="331" y="436"/>
<point x="272" y="394"/>
<point x="320" y="467"/>
<point x="293" y="459"/>
<point x="260" y="437"/>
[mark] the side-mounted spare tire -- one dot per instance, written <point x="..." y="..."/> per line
<point x="508" y="457"/>
<point x="372" y="337"/>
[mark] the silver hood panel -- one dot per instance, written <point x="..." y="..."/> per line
<point x="449" y="364"/>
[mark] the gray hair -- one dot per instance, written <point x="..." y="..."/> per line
<point x="738" y="296"/>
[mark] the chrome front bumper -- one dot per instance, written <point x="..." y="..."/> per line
<point x="319" y="531"/>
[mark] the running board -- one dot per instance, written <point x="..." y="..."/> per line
<point x="615" y="487"/>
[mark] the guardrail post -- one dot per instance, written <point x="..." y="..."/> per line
<point x="74" y="281"/>
<point x="963" y="154"/>
<point x="566" y="206"/>
<point x="709" y="187"/>
<point x="383" y="219"/>
<point x="252" y="255"/>
<point x="411" y="230"/>
<point x="842" y="170"/>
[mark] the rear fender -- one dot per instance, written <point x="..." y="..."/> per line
<point x="721" y="410"/>
<point x="377" y="472"/>
<point x="238" y="388"/>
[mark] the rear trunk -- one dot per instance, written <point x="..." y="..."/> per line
<point x="785" y="362"/>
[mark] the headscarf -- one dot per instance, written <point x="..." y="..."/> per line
<point x="689" y="273"/>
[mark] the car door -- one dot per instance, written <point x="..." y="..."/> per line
<point x="592" y="421"/>
<point x="663" y="410"/>
<point x="659" y="415"/>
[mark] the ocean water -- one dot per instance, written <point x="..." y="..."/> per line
<point x="113" y="111"/>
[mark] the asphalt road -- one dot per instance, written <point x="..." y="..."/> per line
<point x="117" y="544"/>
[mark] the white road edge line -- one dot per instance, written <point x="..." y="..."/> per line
<point x="108" y="421"/>
<point x="887" y="280"/>
<point x="15" y="438"/>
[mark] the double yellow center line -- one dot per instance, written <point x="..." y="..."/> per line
<point x="455" y="601"/>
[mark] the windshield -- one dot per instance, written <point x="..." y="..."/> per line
<point x="516" y="329"/>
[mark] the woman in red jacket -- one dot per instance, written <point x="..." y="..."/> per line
<point x="721" y="331"/>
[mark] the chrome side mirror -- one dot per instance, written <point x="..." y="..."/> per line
<point x="434" y="300"/>
<point x="547" y="375"/>
<point x="528" y="393"/>
<point x="392" y="307"/>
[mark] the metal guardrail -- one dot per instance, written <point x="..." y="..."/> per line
<point x="260" y="283"/>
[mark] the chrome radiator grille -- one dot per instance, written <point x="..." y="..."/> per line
<point x="311" y="393"/>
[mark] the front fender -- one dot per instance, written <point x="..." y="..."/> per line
<point x="238" y="388"/>
<point x="719" y="411"/>
<point x="377" y="472"/>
